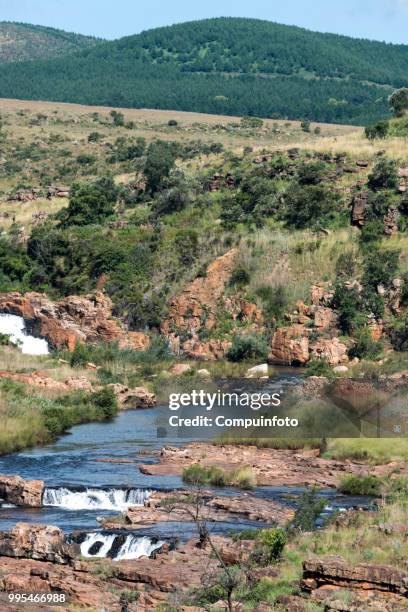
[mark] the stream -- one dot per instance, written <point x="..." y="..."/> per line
<point x="92" y="471"/>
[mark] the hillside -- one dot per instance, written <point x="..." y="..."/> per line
<point x="227" y="66"/>
<point x="21" y="42"/>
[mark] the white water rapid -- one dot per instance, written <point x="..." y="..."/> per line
<point x="14" y="326"/>
<point x="133" y="547"/>
<point x="94" y="499"/>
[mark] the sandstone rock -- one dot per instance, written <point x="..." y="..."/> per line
<point x="194" y="307"/>
<point x="332" y="350"/>
<point x="181" y="368"/>
<point x="324" y="318"/>
<point x="336" y="571"/>
<point x="42" y="542"/>
<point x="290" y="346"/>
<point x="138" y="341"/>
<point x="128" y="398"/>
<point x="322" y="294"/>
<point x="16" y="490"/>
<point x="359" y="205"/>
<point x="257" y="371"/>
<point x="209" y="350"/>
<point x="71" y="320"/>
<point x="204" y="373"/>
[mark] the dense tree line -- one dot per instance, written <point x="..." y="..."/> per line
<point x="226" y="66"/>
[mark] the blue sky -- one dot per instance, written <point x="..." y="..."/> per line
<point x="376" y="19"/>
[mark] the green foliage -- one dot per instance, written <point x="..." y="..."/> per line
<point x="365" y="347"/>
<point x="360" y="485"/>
<point x="269" y="546"/>
<point x="199" y="475"/>
<point x="309" y="206"/>
<point x="251" y="122"/>
<point x="160" y="160"/>
<point x="348" y="302"/>
<point x="378" y="130"/>
<point x="247" y="347"/>
<point x="118" y="118"/>
<point x="319" y="367"/>
<point x="380" y="268"/>
<point x="384" y="175"/>
<point x="399" y="101"/>
<point x="277" y="70"/>
<point x="240" y="277"/>
<point x="309" y="509"/>
<point x="105" y="402"/>
<point x="275" y="301"/>
<point x="90" y="202"/>
<point x="305" y="125"/>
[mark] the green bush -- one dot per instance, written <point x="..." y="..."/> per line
<point x="307" y="206"/>
<point x="365" y="347"/>
<point x="384" y="175"/>
<point x="360" y="485"/>
<point x="309" y="509"/>
<point x="275" y="301"/>
<point x="105" y="402"/>
<point x="240" y="276"/>
<point x="248" y="347"/>
<point x="377" y="130"/>
<point x="269" y="545"/>
<point x="319" y="367"/>
<point x="90" y="202"/>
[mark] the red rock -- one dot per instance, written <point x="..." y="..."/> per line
<point x="16" y="490"/>
<point x="290" y="346"/>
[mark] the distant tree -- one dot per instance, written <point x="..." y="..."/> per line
<point x="399" y="101"/>
<point x="305" y="125"/>
<point x="160" y="160"/>
<point x="91" y="202"/>
<point x="378" y="130"/>
<point x="118" y="118"/>
<point x="384" y="175"/>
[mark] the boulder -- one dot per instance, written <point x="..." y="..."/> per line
<point x="210" y="350"/>
<point x="137" y="397"/>
<point x="181" y="368"/>
<point x="340" y="369"/>
<point x="290" y="346"/>
<point x="257" y="371"/>
<point x="16" y="490"/>
<point x="41" y="542"/>
<point x="330" y="349"/>
<point x="204" y="373"/>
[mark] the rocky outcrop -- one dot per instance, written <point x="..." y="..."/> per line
<point x="20" y="492"/>
<point x="42" y="542"/>
<point x="359" y="205"/>
<point x="129" y="398"/>
<point x="71" y="320"/>
<point x="176" y="506"/>
<point x="330" y="349"/>
<point x="210" y="350"/>
<point x="195" y="306"/>
<point x="271" y="467"/>
<point x="290" y="346"/>
<point x="335" y="571"/>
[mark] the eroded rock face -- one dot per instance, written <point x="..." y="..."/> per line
<point x="337" y="572"/>
<point x="290" y="346"/>
<point x="137" y="397"/>
<point x="70" y="320"/>
<point x="42" y="542"/>
<point x="331" y="350"/>
<point x="16" y="490"/>
<point x="209" y="350"/>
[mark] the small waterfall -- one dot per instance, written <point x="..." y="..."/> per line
<point x="118" y="547"/>
<point x="14" y="326"/>
<point x="94" y="499"/>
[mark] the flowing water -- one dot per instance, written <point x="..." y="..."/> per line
<point x="92" y="472"/>
<point x="14" y="326"/>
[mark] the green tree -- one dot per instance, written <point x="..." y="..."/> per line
<point x="160" y="161"/>
<point x="399" y="101"/>
<point x="91" y="202"/>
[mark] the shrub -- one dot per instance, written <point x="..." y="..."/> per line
<point x="160" y="160"/>
<point x="348" y="302"/>
<point x="319" y="367"/>
<point x="384" y="175"/>
<point x="118" y="118"/>
<point x="240" y="276"/>
<point x="172" y="123"/>
<point x="105" y="401"/>
<point x="378" y="130"/>
<point x="275" y="301"/>
<point x="360" y="485"/>
<point x="79" y="356"/>
<point x="244" y="478"/>
<point x="309" y="205"/>
<point x="305" y="125"/>
<point x="365" y="347"/>
<point x="380" y="268"/>
<point x="248" y="347"/>
<point x="270" y="545"/>
<point x="309" y="509"/>
<point x="90" y="202"/>
<point x="311" y="173"/>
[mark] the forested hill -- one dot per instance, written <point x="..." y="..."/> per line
<point x="226" y="66"/>
<point x="21" y="42"/>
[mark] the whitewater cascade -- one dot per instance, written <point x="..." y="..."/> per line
<point x="134" y="547"/>
<point x="14" y="326"/>
<point x="94" y="499"/>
